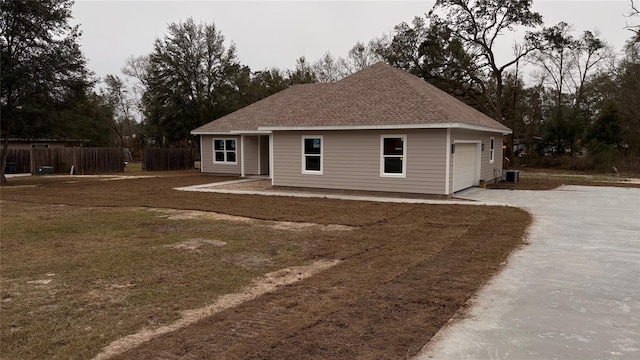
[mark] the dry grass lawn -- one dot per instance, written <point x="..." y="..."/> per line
<point x="545" y="179"/>
<point x="85" y="262"/>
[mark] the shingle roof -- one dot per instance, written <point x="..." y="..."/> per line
<point x="377" y="97"/>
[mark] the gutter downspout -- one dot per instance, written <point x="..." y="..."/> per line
<point x="271" y="157"/>
<point x="201" y="155"/>
<point x="447" y="163"/>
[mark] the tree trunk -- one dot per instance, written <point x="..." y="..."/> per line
<point x="3" y="163"/>
<point x="499" y="86"/>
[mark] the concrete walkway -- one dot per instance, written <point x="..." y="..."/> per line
<point x="219" y="188"/>
<point x="572" y="293"/>
<point x="9" y="176"/>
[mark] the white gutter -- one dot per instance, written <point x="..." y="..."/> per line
<point x="232" y="132"/>
<point x="456" y="125"/>
<point x="250" y="132"/>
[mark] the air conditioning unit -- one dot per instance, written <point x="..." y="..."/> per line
<point x="512" y="176"/>
<point x="44" y="170"/>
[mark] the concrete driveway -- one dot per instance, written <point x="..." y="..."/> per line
<point x="572" y="293"/>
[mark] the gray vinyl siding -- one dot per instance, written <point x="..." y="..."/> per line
<point x="250" y="155"/>
<point x="488" y="171"/>
<point x="351" y="160"/>
<point x="207" y="164"/>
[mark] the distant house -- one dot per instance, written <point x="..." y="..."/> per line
<point x="42" y="143"/>
<point x="380" y="129"/>
<point x="19" y="156"/>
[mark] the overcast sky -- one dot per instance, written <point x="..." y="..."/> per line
<point x="274" y="34"/>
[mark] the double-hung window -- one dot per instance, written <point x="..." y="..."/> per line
<point x="224" y="151"/>
<point x="312" y="155"/>
<point x="393" y="155"/>
<point x="492" y="150"/>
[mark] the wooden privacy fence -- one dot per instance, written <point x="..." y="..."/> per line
<point x="18" y="160"/>
<point x="168" y="159"/>
<point x="85" y="160"/>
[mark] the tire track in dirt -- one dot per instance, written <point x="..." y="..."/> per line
<point x="270" y="282"/>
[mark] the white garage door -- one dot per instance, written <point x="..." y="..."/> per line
<point x="465" y="162"/>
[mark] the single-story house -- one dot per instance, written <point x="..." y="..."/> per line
<point x="380" y="129"/>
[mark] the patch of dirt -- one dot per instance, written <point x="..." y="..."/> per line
<point x="195" y="244"/>
<point x="20" y="186"/>
<point x="288" y="225"/>
<point x="264" y="285"/>
<point x="46" y="281"/>
<point x="110" y="293"/>
<point x="40" y="281"/>
<point x="173" y="214"/>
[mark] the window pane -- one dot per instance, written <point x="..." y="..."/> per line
<point x="393" y="146"/>
<point x="491" y="146"/>
<point x="231" y="156"/>
<point x="312" y="146"/>
<point x="312" y="163"/>
<point x="231" y="144"/>
<point x="218" y="145"/>
<point x="219" y="156"/>
<point x="393" y="165"/>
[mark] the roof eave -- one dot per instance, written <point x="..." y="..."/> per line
<point x="504" y="131"/>
<point x="231" y="132"/>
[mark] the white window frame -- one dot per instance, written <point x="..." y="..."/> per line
<point x="225" y="151"/>
<point x="492" y="149"/>
<point x="404" y="156"/>
<point x="304" y="155"/>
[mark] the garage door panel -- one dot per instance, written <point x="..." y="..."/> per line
<point x="465" y="163"/>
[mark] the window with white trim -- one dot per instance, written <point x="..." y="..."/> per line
<point x="224" y="151"/>
<point x="393" y="153"/>
<point x="312" y="155"/>
<point x="492" y="149"/>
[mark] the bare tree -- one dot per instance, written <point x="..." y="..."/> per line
<point x="477" y="25"/>
<point x="569" y="62"/>
<point x="588" y="59"/>
<point x="359" y="57"/>
<point x="634" y="13"/>
<point x="328" y="69"/>
<point x="124" y="108"/>
<point x="555" y="57"/>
